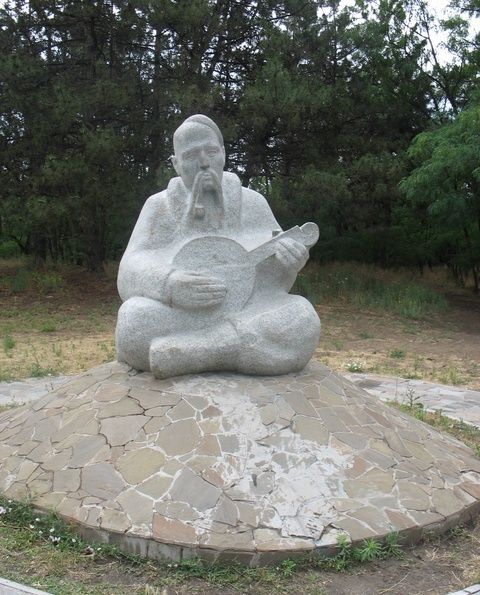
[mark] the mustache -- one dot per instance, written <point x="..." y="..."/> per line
<point x="196" y="208"/>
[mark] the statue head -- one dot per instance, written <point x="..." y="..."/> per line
<point x="199" y="152"/>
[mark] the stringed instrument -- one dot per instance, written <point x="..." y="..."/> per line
<point x="230" y="262"/>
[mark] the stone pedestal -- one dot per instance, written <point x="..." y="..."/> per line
<point x="223" y="465"/>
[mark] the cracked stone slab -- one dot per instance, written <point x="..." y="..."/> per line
<point x="10" y="588"/>
<point x="221" y="464"/>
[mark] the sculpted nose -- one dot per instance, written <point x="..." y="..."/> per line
<point x="204" y="161"/>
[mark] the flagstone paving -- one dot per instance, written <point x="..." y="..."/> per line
<point x="453" y="401"/>
<point x="224" y="465"/>
<point x="10" y="588"/>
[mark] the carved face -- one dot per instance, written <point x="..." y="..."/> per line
<point x="197" y="150"/>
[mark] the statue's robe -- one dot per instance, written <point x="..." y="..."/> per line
<point x="274" y="332"/>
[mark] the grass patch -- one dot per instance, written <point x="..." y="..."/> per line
<point x="21" y="281"/>
<point x="397" y="354"/>
<point x="467" y="433"/>
<point x="36" y="370"/>
<point x="51" y="546"/>
<point x="48" y="327"/>
<point x="354" y="367"/>
<point x="8" y="343"/>
<point x="451" y="376"/>
<point x="365" y="288"/>
<point x="48" y="282"/>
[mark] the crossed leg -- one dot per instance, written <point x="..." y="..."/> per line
<point x="274" y="338"/>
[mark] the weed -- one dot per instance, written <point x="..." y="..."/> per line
<point x="288" y="567"/>
<point x="363" y="288"/>
<point x="354" y="367"/>
<point x="38" y="371"/>
<point x="451" y="376"/>
<point x="413" y="405"/>
<point x="8" y="343"/>
<point x="57" y="350"/>
<point x="20" y="282"/>
<point x="48" y="327"/>
<point x="467" y="433"/>
<point x="391" y="547"/>
<point x="371" y="549"/>
<point x="411" y="375"/>
<point x="48" y="282"/>
<point x="344" y="555"/>
<point x="109" y="349"/>
<point x="417" y="363"/>
<point x="397" y="353"/>
<point x="5" y="375"/>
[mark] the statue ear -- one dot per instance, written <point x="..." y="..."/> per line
<point x="174" y="161"/>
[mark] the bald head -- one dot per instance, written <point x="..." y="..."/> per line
<point x="196" y="119"/>
<point x="198" y="145"/>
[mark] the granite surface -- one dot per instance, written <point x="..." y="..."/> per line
<point x="225" y="465"/>
<point x="206" y="275"/>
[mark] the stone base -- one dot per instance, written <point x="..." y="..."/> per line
<point x="230" y="466"/>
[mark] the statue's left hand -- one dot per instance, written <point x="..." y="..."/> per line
<point x="292" y="254"/>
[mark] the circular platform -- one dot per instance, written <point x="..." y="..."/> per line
<point x="231" y="466"/>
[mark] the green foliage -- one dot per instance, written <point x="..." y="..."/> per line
<point x="8" y="249"/>
<point x="21" y="281"/>
<point x="53" y="530"/>
<point x="397" y="353"/>
<point x="318" y="108"/>
<point x="465" y="432"/>
<point x="8" y="343"/>
<point x="288" y="568"/>
<point x="354" y="367"/>
<point x="391" y="546"/>
<point x="39" y="371"/>
<point x="370" y="550"/>
<point x="445" y="188"/>
<point x="362" y="287"/>
<point x="48" y="282"/>
<point x="451" y="375"/>
<point x="48" y="327"/>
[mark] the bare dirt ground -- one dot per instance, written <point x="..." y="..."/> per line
<point x="444" y="349"/>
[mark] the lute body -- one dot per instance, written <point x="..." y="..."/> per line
<point x="229" y="261"/>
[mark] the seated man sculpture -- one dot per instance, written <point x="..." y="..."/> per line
<point x="206" y="274"/>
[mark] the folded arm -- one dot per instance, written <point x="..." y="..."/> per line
<point x="146" y="265"/>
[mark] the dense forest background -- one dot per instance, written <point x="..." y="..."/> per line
<point x="349" y="114"/>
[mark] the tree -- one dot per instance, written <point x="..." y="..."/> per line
<point x="445" y="185"/>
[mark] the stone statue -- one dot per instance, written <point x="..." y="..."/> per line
<point x="206" y="274"/>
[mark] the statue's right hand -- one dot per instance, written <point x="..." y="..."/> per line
<point x="191" y="290"/>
